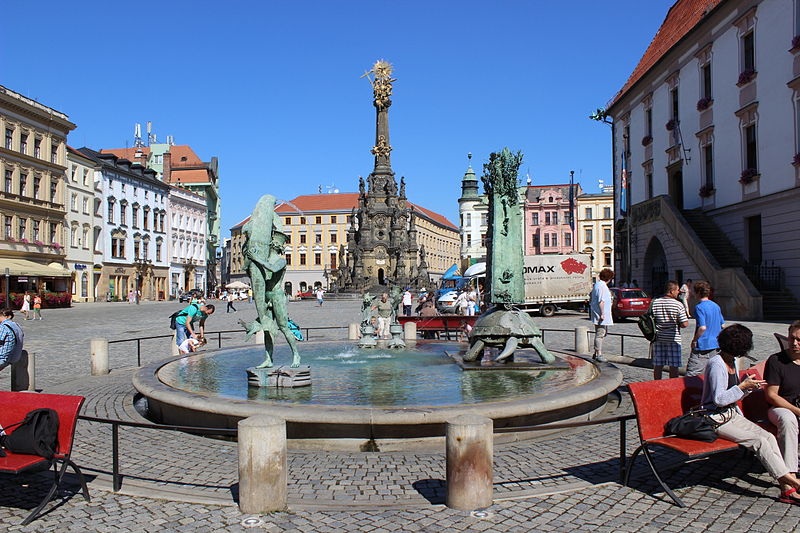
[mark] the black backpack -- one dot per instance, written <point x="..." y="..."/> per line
<point x="37" y="434"/>
<point x="173" y="324"/>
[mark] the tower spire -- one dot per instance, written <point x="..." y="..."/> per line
<point x="380" y="78"/>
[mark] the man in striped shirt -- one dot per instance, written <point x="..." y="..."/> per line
<point x="670" y="316"/>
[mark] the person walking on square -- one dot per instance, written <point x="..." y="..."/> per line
<point x="37" y="307"/>
<point x="26" y="305"/>
<point x="230" y="299"/>
<point x="782" y="374"/>
<point x="670" y="316"/>
<point x="600" y="310"/>
<point x="320" y="294"/>
<point x="683" y="295"/>
<point x="11" y="339"/>
<point x="384" y="308"/>
<point x="709" y="323"/>
<point x="407" y="302"/>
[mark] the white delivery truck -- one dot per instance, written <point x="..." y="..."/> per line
<point x="558" y="281"/>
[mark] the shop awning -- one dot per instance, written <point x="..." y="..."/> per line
<point x="24" y="267"/>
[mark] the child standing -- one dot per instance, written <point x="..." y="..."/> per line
<point x="37" y="307"/>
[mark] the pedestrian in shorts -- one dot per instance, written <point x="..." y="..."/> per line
<point x="600" y="302"/>
<point x="670" y="316"/>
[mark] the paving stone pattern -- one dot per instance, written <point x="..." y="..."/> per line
<point x="338" y="491"/>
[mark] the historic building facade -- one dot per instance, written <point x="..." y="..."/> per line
<point x="706" y="131"/>
<point x="79" y="199"/>
<point x="179" y="165"/>
<point x="187" y="213"/>
<point x="546" y="219"/>
<point x="132" y="236"/>
<point x="594" y="228"/>
<point x="33" y="158"/>
<point x="473" y="213"/>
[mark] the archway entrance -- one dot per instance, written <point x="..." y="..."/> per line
<point x="655" y="268"/>
<point x="287" y="288"/>
<point x="380" y="276"/>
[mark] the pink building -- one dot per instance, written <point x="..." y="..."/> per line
<point x="546" y="219"/>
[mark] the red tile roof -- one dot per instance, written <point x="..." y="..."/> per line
<point x="436" y="217"/>
<point x="182" y="154"/>
<point x="197" y="175"/>
<point x="682" y="17"/>
<point x="129" y="153"/>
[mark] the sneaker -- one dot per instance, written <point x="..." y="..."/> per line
<point x="599" y="358"/>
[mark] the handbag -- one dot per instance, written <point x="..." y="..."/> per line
<point x="647" y="324"/>
<point x="694" y="425"/>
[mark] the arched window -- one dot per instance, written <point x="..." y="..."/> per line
<point x="84" y="285"/>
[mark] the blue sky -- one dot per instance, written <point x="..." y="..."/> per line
<point x="272" y="88"/>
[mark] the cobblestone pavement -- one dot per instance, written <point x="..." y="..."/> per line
<point x="559" y="483"/>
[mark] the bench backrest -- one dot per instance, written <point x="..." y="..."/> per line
<point x="656" y="402"/>
<point x="15" y="405"/>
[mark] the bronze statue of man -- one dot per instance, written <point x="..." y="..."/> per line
<point x="265" y="262"/>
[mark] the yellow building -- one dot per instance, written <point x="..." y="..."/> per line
<point x="32" y="213"/>
<point x="317" y="224"/>
<point x="594" y="228"/>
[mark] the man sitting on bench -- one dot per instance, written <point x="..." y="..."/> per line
<point x="721" y="391"/>
<point x="782" y="374"/>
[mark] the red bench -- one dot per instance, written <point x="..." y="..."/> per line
<point x="13" y="408"/>
<point x="440" y="323"/>
<point x="656" y="402"/>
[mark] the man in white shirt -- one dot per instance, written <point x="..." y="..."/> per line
<point x="600" y="308"/>
<point x="407" y="302"/>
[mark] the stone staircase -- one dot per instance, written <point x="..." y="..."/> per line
<point x="776" y="304"/>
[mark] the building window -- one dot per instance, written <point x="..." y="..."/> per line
<point x="73" y="236"/>
<point x="705" y="72"/>
<point x="111" y="211"/>
<point x="9" y="182"/>
<point x="23" y="184"/>
<point x="288" y="238"/>
<point x="36" y="184"/>
<point x="546" y="240"/>
<point x="568" y="239"/>
<point x="7" y="232"/>
<point x="748" y="52"/>
<point x="136" y="246"/>
<point x="333" y="237"/>
<point x="535" y="241"/>
<point x="23" y="226"/>
<point x="535" y="219"/>
<point x="468" y="220"/>
<point x="23" y="143"/>
<point x="606" y="234"/>
<point x="708" y="160"/>
<point x="287" y="221"/>
<point x="146" y="218"/>
<point x="333" y="260"/>
<point x="607" y="259"/>
<point x="54" y="154"/>
<point x="135" y="216"/>
<point x="158" y="250"/>
<point x="302" y="238"/>
<point x="317" y="259"/>
<point x="9" y="138"/>
<point x="675" y="101"/>
<point x="85" y="206"/>
<point x="547" y="219"/>
<point x="469" y="239"/>
<point x="751" y="147"/>
<point x="289" y="259"/>
<point x="333" y="219"/>
<point x="555" y="219"/>
<point x="122" y="213"/>
<point x="318" y="238"/>
<point x="317" y="220"/>
<point x="555" y="239"/>
<point x="302" y="259"/>
<point x="483" y="240"/>
<point x="37" y="148"/>
<point x="648" y="121"/>
<point x="588" y="212"/>
<point x="53" y="192"/>
<point x="73" y="202"/>
<point x="35" y="230"/>
<point x="145" y="249"/>
<point x="649" y="185"/>
<point x="85" y="240"/>
<point x="606" y="212"/>
<point x="53" y="232"/>
<point x="588" y="233"/>
<point x="302" y="220"/>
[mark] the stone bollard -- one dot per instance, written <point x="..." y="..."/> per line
<point x="262" y="464"/>
<point x="410" y="331"/>
<point x="582" y="340"/>
<point x="354" y="331"/>
<point x="23" y="373"/>
<point x="469" y="462"/>
<point x="99" y="354"/>
<point x="175" y="351"/>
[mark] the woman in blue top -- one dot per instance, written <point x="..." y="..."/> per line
<point x="722" y="389"/>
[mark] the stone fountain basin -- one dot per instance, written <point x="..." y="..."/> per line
<point x="320" y="425"/>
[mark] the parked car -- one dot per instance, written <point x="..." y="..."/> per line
<point x="629" y="303"/>
<point x="188" y="295"/>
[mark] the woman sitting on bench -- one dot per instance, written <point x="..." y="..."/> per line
<point x="721" y="391"/>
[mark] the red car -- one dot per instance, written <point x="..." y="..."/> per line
<point x="629" y="303"/>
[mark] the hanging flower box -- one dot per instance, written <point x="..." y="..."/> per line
<point x="38" y="243"/>
<point x="23" y="240"/>
<point x="56" y="245"/>
<point x="746" y="76"/>
<point x="749" y="175"/>
<point x="11" y="239"/>
<point x="704" y="103"/>
<point x="646" y="140"/>
<point x="706" y="191"/>
<point x="671" y="124"/>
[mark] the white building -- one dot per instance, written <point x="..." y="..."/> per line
<point x="130" y="236"/>
<point x="79" y="202"/>
<point x="187" y="237"/>
<point x="708" y="127"/>
<point x="473" y="211"/>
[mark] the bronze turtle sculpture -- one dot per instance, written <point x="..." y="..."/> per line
<point x="506" y="328"/>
